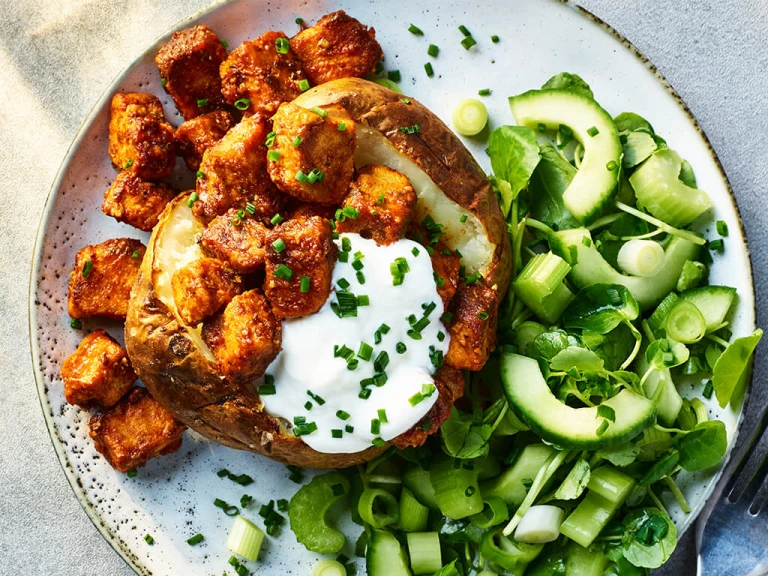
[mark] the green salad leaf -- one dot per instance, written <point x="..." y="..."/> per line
<point x="649" y="538"/>
<point x="514" y="153"/>
<point x="448" y="570"/>
<point x="621" y="455"/>
<point x="570" y="82"/>
<point x="548" y="344"/>
<point x="661" y="468"/>
<point x="637" y="147"/>
<point x="732" y="368"/>
<point x="664" y="353"/>
<point x="687" y="175"/>
<point x="704" y="446"/>
<point x="630" y="122"/>
<point x="579" y="358"/>
<point x="548" y="183"/>
<point x="466" y="435"/>
<point x="613" y="347"/>
<point x="601" y="308"/>
<point x="691" y="276"/>
<point x="575" y="482"/>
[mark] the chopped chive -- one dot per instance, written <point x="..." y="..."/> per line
<point x="363" y="300"/>
<point x="394" y="75"/>
<point x="718" y="245"/>
<point x="415" y="251"/>
<point x="245" y="500"/>
<point x="282" y="45"/>
<point x="447" y="317"/>
<point x="276" y="219"/>
<point x="440" y="336"/>
<point x="416" y="399"/>
<point x="612" y="166"/>
<point x="337" y="433"/>
<point x="349" y="429"/>
<point x="343" y="283"/>
<point x="283" y="272"/>
<point x="270" y="140"/>
<point x="148" y="539"/>
<point x="129" y="164"/>
<point x="196" y="539"/>
<point x="463" y="218"/>
<point x="722" y="228"/>
<point x="301" y="177"/>
<point x="380" y="379"/>
<point x="413" y="29"/>
<point x="381" y="361"/>
<point x="342" y="415"/>
<point x="357" y="265"/>
<point x="282" y="505"/>
<point x="400" y="348"/>
<point x="375" y="426"/>
<point x="319" y="399"/>
<point x="299" y="20"/>
<point x="350" y="212"/>
<point x="242" y="104"/>
<point x="308" y="405"/>
<point x="346" y="244"/>
<point x="468" y="42"/>
<point x="708" y="389"/>
<point x="304" y="429"/>
<point x="410" y="129"/>
<point x="379" y="442"/>
<point x="361" y="280"/>
<point x="202" y="102"/>
<point x="470" y="491"/>
<point x="75" y="323"/>
<point x="299" y="420"/>
<point x="602" y="428"/>
<point x="343" y="257"/>
<point x="303" y="84"/>
<point x="224" y="43"/>
<point x="273" y="155"/>
<point x="483" y="315"/>
<point x="365" y="351"/>
<point x="405" y="100"/>
<point x="163" y="82"/>
<point x="278" y="245"/>
<point x="541" y="127"/>
<point x="223" y="472"/>
<point x="365" y="393"/>
<point x="268" y="388"/>
<point x="87" y="267"/>
<point x="304" y="284"/>
<point x="464" y="30"/>
<point x="297" y="141"/>
<point x="341" y="126"/>
<point x="494" y="39"/>
<point x="319" y="111"/>
<point x="428" y="69"/>
<point x="432" y="50"/>
<point x="427" y="424"/>
<point x="472" y="278"/>
<point x="382" y="413"/>
<point x="593" y="131"/>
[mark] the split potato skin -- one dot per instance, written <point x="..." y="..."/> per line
<point x="188" y="378"/>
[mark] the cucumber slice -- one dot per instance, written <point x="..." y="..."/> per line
<point x="589" y="267"/>
<point x="713" y="302"/>
<point x="668" y="400"/>
<point x="594" y="185"/>
<point x="562" y="425"/>
<point x="385" y="556"/>
<point x="659" y="189"/>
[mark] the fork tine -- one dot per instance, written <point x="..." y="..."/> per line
<point x="755" y="457"/>
<point x="762" y="495"/>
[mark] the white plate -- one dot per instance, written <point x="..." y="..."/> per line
<point x="172" y="498"/>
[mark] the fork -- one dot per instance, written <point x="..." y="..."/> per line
<point x="732" y="531"/>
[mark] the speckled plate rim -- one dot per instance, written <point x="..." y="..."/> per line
<point x="61" y="453"/>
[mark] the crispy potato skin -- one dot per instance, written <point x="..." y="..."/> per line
<point x="97" y="373"/>
<point x="245" y="337"/>
<point x="435" y="149"/>
<point x="134" y="431"/>
<point x="106" y="288"/>
<point x="242" y="246"/>
<point x="202" y="287"/>
<point x="235" y="173"/>
<point x="256" y="71"/>
<point x="139" y="136"/>
<point x="323" y="147"/>
<point x="189" y="63"/>
<point x="136" y="202"/>
<point x="472" y="338"/>
<point x="309" y="251"/>
<point x="384" y="199"/>
<point x="198" y="134"/>
<point x="338" y="46"/>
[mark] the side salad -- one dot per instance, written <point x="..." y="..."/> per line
<point x="556" y="460"/>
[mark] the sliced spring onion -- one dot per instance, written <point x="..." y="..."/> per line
<point x="641" y="258"/>
<point x="424" y="551"/>
<point x="494" y="512"/>
<point x="470" y="117"/>
<point x="378" y="507"/>
<point x="413" y="514"/>
<point x="329" y="568"/>
<point x="245" y="538"/>
<point x="541" y="524"/>
<point x="685" y="323"/>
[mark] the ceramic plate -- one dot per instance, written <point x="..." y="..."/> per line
<point x="172" y="498"/>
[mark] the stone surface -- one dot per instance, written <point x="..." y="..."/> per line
<point x="57" y="58"/>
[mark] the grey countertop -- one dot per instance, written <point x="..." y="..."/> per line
<point x="57" y="58"/>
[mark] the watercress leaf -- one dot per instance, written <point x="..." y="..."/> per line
<point x="575" y="482"/>
<point x="686" y="174"/>
<point x="448" y="570"/>
<point x="570" y="82"/>
<point x="514" y="153"/>
<point x="731" y="370"/>
<point x="622" y="455"/>
<point x="704" y="446"/>
<point x="613" y="347"/>
<point x="649" y="539"/>
<point x="466" y="435"/>
<point x="547" y="344"/>
<point x="697" y="362"/>
<point x="629" y="122"/>
<point x="664" y="353"/>
<point x="637" y="147"/>
<point x="600" y="308"/>
<point x="661" y="468"/>
<point x="548" y="183"/>
<point x="573" y="357"/>
<point x="551" y="562"/>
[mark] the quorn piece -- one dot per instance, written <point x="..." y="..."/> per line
<point x="300" y="257"/>
<point x="140" y="139"/>
<point x="202" y="287"/>
<point x="234" y="173"/>
<point x="338" y="46"/>
<point x="240" y="242"/>
<point x="261" y="74"/>
<point x="100" y="283"/>
<point x="135" y="430"/>
<point x="313" y="154"/>
<point x="473" y="326"/>
<point x="379" y="205"/>
<point x="97" y="373"/>
<point x="446" y="263"/>
<point x="244" y="337"/>
<point x="135" y="201"/>
<point x="195" y="136"/>
<point x="189" y="65"/>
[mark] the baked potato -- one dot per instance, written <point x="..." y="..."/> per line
<point x="180" y="370"/>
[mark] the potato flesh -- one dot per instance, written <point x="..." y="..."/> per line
<point x="175" y="247"/>
<point x="467" y="237"/>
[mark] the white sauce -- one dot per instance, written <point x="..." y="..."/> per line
<point x="307" y="361"/>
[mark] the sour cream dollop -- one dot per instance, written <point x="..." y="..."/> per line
<point x="341" y="396"/>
